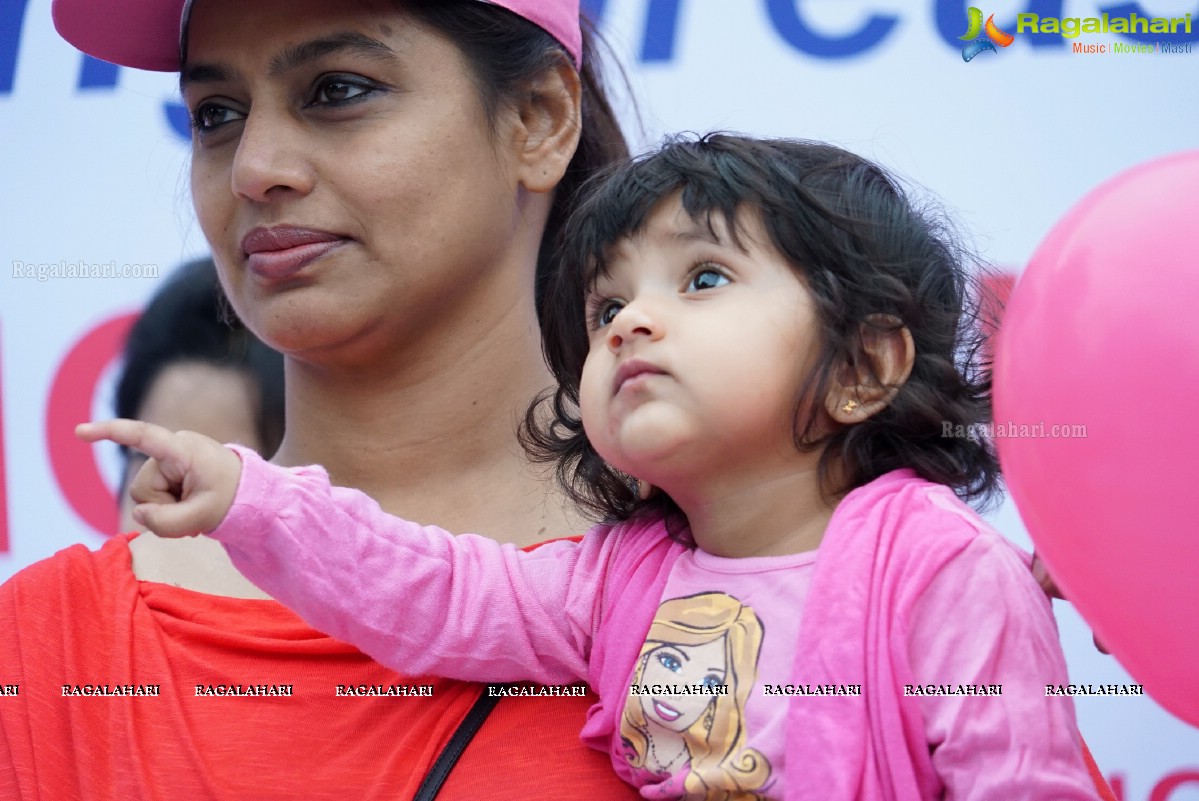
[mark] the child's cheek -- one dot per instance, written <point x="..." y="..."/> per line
<point x="592" y="401"/>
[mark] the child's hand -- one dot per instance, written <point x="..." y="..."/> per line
<point x="187" y="485"/>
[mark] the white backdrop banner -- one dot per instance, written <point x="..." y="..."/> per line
<point x="95" y="212"/>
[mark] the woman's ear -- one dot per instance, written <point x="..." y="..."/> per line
<point x="548" y="126"/>
<point x="866" y="389"/>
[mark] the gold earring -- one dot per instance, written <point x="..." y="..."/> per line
<point x="849" y="406"/>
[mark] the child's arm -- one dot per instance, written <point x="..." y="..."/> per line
<point x="189" y="482"/>
<point x="984" y="621"/>
<point x="415" y="598"/>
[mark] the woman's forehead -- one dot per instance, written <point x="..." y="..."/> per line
<point x="280" y="32"/>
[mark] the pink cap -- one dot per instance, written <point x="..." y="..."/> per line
<point x="145" y="33"/>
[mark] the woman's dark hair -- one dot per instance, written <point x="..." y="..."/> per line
<point x="506" y="52"/>
<point x="188" y="321"/>
<point x="870" y="257"/>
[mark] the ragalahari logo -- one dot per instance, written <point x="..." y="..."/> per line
<point x="975" y="45"/>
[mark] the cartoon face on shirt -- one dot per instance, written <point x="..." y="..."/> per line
<point x="701" y="739"/>
<point x="675" y="664"/>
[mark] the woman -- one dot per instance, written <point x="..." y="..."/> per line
<point x="376" y="181"/>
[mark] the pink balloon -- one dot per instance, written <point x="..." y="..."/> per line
<point x="1102" y="331"/>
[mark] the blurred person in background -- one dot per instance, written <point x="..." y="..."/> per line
<point x="189" y="364"/>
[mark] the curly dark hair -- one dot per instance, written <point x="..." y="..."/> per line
<point x="871" y="258"/>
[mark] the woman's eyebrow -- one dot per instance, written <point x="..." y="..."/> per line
<point x="292" y="57"/>
<point x="199" y="73"/>
<point x="346" y="42"/>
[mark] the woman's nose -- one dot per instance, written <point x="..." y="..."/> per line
<point x="269" y="160"/>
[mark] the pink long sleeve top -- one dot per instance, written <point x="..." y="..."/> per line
<point x="906" y="658"/>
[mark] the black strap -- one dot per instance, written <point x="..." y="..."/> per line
<point x="449" y="755"/>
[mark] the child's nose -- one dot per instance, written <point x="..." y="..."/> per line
<point x="631" y="322"/>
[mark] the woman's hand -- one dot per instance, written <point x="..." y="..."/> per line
<point x="186" y="486"/>
<point x="1049" y="586"/>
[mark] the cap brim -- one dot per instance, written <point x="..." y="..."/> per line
<point x="145" y="33"/>
<point x="133" y="33"/>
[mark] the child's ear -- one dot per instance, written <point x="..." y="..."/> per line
<point x="866" y="389"/>
<point x="548" y="127"/>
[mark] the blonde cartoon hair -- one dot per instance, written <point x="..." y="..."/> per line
<point x="723" y="768"/>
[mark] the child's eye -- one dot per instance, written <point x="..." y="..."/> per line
<point x="603" y="312"/>
<point x="706" y="278"/>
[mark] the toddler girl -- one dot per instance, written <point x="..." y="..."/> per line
<point x="759" y="347"/>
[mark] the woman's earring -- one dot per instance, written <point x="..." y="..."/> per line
<point x="644" y="490"/>
<point x="849" y="406"/>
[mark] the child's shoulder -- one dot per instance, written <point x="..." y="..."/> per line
<point x="905" y="502"/>
<point x="930" y="520"/>
<point x="924" y="520"/>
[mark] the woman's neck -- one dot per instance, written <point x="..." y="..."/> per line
<point x="666" y="750"/>
<point x="433" y="445"/>
<point x="437" y="446"/>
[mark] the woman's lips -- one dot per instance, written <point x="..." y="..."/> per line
<point x="280" y="253"/>
<point x="666" y="712"/>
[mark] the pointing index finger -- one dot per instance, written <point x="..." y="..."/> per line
<point x="154" y="441"/>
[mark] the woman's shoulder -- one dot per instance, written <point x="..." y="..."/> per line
<point x="61" y="610"/>
<point x="77" y="576"/>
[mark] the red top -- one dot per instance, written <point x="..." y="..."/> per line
<point x="82" y="618"/>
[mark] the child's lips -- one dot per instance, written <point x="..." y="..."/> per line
<point x="633" y="373"/>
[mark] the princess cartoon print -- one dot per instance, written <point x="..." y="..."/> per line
<point x="707" y="642"/>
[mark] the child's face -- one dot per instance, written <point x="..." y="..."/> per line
<point x="698" y="352"/>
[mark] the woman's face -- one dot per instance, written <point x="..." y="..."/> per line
<point x="671" y="664"/>
<point x="345" y="175"/>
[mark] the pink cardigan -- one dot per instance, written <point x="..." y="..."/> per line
<point x="519" y="616"/>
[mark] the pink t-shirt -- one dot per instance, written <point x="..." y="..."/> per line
<point x="710" y="697"/>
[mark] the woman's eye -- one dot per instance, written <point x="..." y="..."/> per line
<point x="712" y="680"/>
<point x="670" y="662"/>
<point x="334" y="91"/>
<point x="706" y="279"/>
<point x="210" y="115"/>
